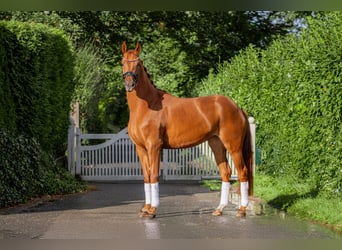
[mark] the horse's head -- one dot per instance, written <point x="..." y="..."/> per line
<point x="130" y="66"/>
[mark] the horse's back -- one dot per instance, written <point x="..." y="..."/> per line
<point x="190" y="121"/>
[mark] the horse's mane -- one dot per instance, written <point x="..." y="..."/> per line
<point x="149" y="77"/>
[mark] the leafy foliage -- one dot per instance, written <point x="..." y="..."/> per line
<point x="165" y="63"/>
<point x="190" y="42"/>
<point x="21" y="162"/>
<point x="294" y="90"/>
<point x="299" y="199"/>
<point x="7" y="105"/>
<point x="27" y="170"/>
<point x="88" y="86"/>
<point x="37" y="74"/>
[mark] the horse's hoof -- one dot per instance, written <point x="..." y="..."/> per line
<point x="152" y="212"/>
<point x="148" y="212"/>
<point x="145" y="208"/>
<point x="241" y="213"/>
<point x="142" y="214"/>
<point x="217" y="212"/>
<point x="152" y="216"/>
<point x="147" y="215"/>
<point x="144" y="211"/>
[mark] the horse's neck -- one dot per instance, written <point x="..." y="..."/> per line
<point x="145" y="92"/>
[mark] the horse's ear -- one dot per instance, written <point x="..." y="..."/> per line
<point x="123" y="47"/>
<point x="138" y="47"/>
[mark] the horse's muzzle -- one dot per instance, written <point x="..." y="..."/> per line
<point x="130" y="80"/>
<point x="130" y="86"/>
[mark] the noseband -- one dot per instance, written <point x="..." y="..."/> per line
<point x="131" y="73"/>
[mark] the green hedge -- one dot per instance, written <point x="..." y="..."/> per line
<point x="36" y="87"/>
<point x="36" y="74"/>
<point x="21" y="161"/>
<point x="294" y="91"/>
<point x="28" y="171"/>
<point x="7" y="106"/>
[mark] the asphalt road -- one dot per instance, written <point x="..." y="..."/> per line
<point x="111" y="212"/>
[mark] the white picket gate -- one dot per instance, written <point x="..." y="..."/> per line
<point x="115" y="158"/>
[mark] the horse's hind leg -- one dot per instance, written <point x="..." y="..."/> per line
<point x="240" y="166"/>
<point x="225" y="171"/>
<point x="234" y="148"/>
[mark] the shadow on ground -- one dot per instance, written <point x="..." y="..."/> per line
<point x="102" y="196"/>
<point x="283" y="202"/>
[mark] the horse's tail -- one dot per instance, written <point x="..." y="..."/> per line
<point x="248" y="155"/>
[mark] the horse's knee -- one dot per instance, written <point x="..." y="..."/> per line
<point x="154" y="178"/>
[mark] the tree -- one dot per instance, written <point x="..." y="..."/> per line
<point x="89" y="86"/>
<point x="165" y="62"/>
<point x="191" y="43"/>
<point x="293" y="89"/>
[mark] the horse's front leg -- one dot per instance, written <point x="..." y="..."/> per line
<point x="154" y="160"/>
<point x="143" y="157"/>
<point x="150" y="161"/>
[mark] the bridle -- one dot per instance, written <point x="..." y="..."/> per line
<point x="131" y="73"/>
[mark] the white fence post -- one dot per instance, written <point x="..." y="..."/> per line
<point x="71" y="147"/>
<point x="252" y="126"/>
<point x="78" y="152"/>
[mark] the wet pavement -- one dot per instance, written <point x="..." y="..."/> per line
<point x="111" y="212"/>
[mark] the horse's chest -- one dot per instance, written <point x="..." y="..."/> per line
<point x="142" y="130"/>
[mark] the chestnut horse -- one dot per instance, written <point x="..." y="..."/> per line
<point x="159" y="120"/>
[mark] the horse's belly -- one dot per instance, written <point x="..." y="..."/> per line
<point x="186" y="138"/>
<point x="189" y="130"/>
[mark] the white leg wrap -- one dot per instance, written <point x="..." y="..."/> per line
<point x="244" y="193"/>
<point x="225" y="186"/>
<point x="147" y="187"/>
<point x="155" y="194"/>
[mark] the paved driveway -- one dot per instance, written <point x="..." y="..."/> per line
<point x="111" y="212"/>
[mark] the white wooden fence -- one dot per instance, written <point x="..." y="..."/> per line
<point x="114" y="158"/>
